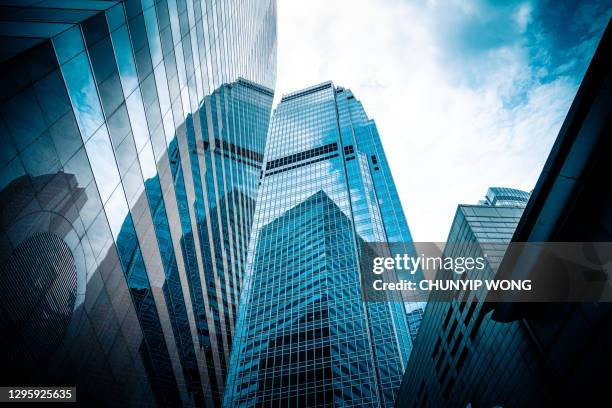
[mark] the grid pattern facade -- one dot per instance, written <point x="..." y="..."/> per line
<point x="415" y="318"/>
<point x="304" y="335"/>
<point x="504" y="196"/>
<point x="456" y="359"/>
<point x="131" y="137"/>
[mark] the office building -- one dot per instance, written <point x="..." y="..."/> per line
<point x="458" y="341"/>
<point x="132" y="136"/>
<point x="305" y="336"/>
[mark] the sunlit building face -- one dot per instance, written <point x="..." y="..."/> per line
<point x="304" y="335"/>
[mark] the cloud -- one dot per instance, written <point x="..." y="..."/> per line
<point x="465" y="95"/>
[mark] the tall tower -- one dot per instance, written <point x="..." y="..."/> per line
<point x="132" y="136"/>
<point x="304" y="334"/>
<point x="450" y="364"/>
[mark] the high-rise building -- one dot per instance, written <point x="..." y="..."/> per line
<point x="455" y="342"/>
<point x="132" y="136"/>
<point x="305" y="336"/>
<point x="507" y="353"/>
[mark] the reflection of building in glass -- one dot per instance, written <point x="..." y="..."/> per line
<point x="39" y="278"/>
<point x="131" y="141"/>
<point x="304" y="334"/>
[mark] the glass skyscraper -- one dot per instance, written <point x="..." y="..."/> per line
<point x="132" y="136"/>
<point x="457" y="358"/>
<point x="305" y="336"/>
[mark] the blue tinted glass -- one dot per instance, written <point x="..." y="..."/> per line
<point x="24" y="119"/>
<point x="138" y="119"/>
<point x="162" y="88"/>
<point x="52" y="96"/>
<point x="116" y="211"/>
<point x="193" y="219"/>
<point x="99" y="235"/>
<point x="10" y="172"/>
<point x="313" y="207"/>
<point x="102" y="60"/>
<point x="153" y="35"/>
<point x="68" y="44"/>
<point x="66" y="136"/>
<point x="125" y="60"/>
<point x="40" y="157"/>
<point x="83" y="94"/>
<point x="7" y="150"/>
<point x="119" y="125"/>
<point x="102" y="162"/>
<point x="115" y="17"/>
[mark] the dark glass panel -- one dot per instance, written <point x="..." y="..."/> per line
<point x="68" y="44"/>
<point x="119" y="125"/>
<point x="52" y="95"/>
<point x="66" y="136"/>
<point x="40" y="60"/>
<point x="102" y="61"/>
<point x="111" y="93"/>
<point x="95" y="29"/>
<point x="23" y="118"/>
<point x="40" y="157"/>
<point x="7" y="149"/>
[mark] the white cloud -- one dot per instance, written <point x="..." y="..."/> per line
<point x="452" y="123"/>
<point x="523" y="16"/>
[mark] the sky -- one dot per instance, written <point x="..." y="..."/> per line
<point x="465" y="95"/>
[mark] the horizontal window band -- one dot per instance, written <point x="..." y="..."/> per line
<point x="301" y="164"/>
<point x="305" y="155"/>
<point x="234" y="149"/>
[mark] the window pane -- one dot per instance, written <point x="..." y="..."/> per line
<point x="83" y="94"/>
<point x="102" y="161"/>
<point x="125" y="60"/>
<point x="68" y="44"/>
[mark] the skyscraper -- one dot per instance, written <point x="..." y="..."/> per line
<point x="452" y="361"/>
<point x="131" y="142"/>
<point x="304" y="334"/>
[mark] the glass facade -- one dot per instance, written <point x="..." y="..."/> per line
<point x="132" y="137"/>
<point x="304" y="335"/>
<point x="415" y="319"/>
<point x="456" y="359"/>
<point x="504" y="196"/>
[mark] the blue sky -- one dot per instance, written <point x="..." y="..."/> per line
<point x="465" y="95"/>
